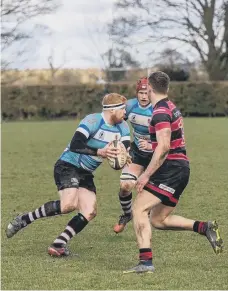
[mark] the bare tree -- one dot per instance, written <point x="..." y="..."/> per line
<point x="54" y="68"/>
<point x="15" y="12"/>
<point x="200" y="24"/>
<point x="116" y="63"/>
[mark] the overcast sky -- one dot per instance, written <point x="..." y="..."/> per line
<point x="75" y="36"/>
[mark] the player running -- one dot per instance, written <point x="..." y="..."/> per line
<point x="73" y="172"/>
<point x="138" y="112"/>
<point x="161" y="185"/>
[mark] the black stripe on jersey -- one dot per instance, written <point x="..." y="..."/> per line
<point x="176" y="134"/>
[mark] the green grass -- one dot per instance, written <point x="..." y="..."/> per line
<point x="183" y="260"/>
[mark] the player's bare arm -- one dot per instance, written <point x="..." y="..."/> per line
<point x="163" y="138"/>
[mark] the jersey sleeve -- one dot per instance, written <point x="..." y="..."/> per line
<point x="161" y="118"/>
<point x="129" y="105"/>
<point x="88" y="125"/>
<point x="125" y="132"/>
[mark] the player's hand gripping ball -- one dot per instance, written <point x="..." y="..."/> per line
<point x="122" y="158"/>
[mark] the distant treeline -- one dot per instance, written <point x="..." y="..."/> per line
<point x="48" y="102"/>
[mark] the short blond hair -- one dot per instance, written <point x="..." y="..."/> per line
<point x="113" y="98"/>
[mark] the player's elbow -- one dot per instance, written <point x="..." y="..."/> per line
<point x="165" y="147"/>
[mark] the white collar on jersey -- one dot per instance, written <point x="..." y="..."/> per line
<point x="148" y="106"/>
<point x="110" y="125"/>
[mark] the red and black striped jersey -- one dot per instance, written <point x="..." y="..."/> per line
<point x="166" y="115"/>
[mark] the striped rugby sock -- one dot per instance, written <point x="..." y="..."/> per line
<point x="145" y="256"/>
<point x="74" y="226"/>
<point x="200" y="227"/>
<point x="126" y="202"/>
<point x="50" y="208"/>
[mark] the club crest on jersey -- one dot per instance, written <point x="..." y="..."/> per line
<point x="101" y="135"/>
<point x="133" y="117"/>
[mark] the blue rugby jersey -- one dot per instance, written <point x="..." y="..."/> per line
<point x="98" y="134"/>
<point x="139" y="118"/>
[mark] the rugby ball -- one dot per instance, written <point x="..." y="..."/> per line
<point x="120" y="161"/>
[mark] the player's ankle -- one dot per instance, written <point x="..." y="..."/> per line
<point x="145" y="256"/>
<point x="147" y="262"/>
<point x="200" y="227"/>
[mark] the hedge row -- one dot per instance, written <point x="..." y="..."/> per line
<point x="193" y="99"/>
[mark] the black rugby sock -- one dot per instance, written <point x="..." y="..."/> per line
<point x="50" y="208"/>
<point x="74" y="226"/>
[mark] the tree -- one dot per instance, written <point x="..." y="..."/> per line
<point x="116" y="61"/>
<point x="15" y="13"/>
<point x="175" y="65"/>
<point x="200" y="24"/>
<point x="54" y="68"/>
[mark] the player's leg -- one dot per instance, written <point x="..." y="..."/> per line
<point x="128" y="180"/>
<point x="86" y="204"/>
<point x="87" y="211"/>
<point x="169" y="180"/>
<point x="66" y="179"/>
<point x="49" y="209"/>
<point x="143" y="203"/>
<point x="161" y="218"/>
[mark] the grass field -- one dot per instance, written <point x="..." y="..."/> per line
<point x="183" y="260"/>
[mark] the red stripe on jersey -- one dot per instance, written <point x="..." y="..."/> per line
<point x="176" y="124"/>
<point x="177" y="157"/>
<point x="162" y="125"/>
<point x="177" y="143"/>
<point x="171" y="105"/>
<point x="151" y="129"/>
<point x="161" y="191"/>
<point x="154" y="145"/>
<point x="162" y="110"/>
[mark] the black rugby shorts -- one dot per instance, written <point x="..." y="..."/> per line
<point x="67" y="175"/>
<point x="139" y="157"/>
<point x="169" y="181"/>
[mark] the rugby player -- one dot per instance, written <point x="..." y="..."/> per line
<point x="161" y="185"/>
<point x="138" y="112"/>
<point x="73" y="172"/>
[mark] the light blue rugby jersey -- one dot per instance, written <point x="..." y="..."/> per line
<point x="99" y="134"/>
<point x="139" y="118"/>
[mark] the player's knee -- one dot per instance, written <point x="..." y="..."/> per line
<point x="127" y="185"/>
<point x="157" y="222"/>
<point x="127" y="182"/>
<point x="67" y="207"/>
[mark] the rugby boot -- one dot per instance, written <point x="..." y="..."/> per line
<point x="14" y="226"/>
<point x="213" y="235"/>
<point x="61" y="251"/>
<point x="140" y="268"/>
<point x="123" y="220"/>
